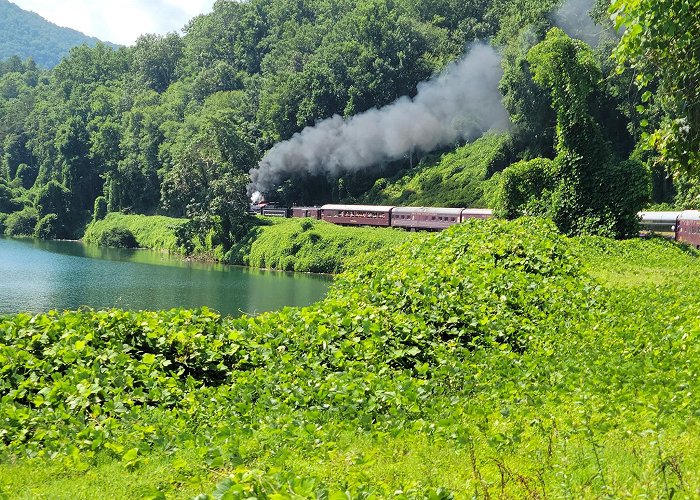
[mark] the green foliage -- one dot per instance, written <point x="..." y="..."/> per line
<point x="524" y="188"/>
<point x="154" y="232"/>
<point x="21" y="223"/>
<point x="584" y="190"/>
<point x="117" y="237"/>
<point x="100" y="210"/>
<point x="308" y="245"/>
<point x="487" y="348"/>
<point x="528" y="104"/>
<point x="456" y="179"/>
<point x="7" y="203"/>
<point x="50" y="227"/>
<point x="26" y="34"/>
<point x="659" y="43"/>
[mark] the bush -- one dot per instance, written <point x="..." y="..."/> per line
<point x="50" y="228"/>
<point x="6" y="197"/>
<point x="521" y="183"/>
<point x="21" y="223"/>
<point x="100" y="211"/>
<point x="118" y="237"/>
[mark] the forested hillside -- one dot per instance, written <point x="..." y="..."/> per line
<point x="173" y="124"/>
<point x="28" y="35"/>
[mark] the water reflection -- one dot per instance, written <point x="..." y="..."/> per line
<point x="37" y="275"/>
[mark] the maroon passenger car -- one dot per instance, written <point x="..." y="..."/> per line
<point x="425" y="217"/>
<point x="688" y="227"/>
<point x="313" y="212"/>
<point x="357" y="215"/>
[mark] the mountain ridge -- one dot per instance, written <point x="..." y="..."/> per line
<point x="26" y="34"/>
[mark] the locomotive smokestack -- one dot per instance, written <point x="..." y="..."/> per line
<point x="257" y="198"/>
<point x="461" y="103"/>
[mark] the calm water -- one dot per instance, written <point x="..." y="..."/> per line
<point x="36" y="276"/>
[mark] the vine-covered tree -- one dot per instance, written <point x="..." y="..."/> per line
<point x="585" y="190"/>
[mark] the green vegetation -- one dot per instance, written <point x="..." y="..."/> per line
<point x="172" y="125"/>
<point x="304" y="245"/>
<point x="456" y="179"/>
<point x="25" y="34"/>
<point x="492" y="359"/>
<point x="584" y="190"/>
<point x="154" y="232"/>
<point x="309" y="245"/>
<point x="659" y="43"/>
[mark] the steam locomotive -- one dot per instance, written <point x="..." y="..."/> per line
<point x="411" y="218"/>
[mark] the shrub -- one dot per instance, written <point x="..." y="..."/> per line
<point x="49" y="228"/>
<point x="21" y="223"/>
<point x="521" y="183"/>
<point x="118" y="237"/>
<point x="100" y="211"/>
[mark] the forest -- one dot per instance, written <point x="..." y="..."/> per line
<point x="599" y="126"/>
<point x="26" y="34"/>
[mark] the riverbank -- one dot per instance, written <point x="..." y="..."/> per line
<point x="155" y="232"/>
<point x="301" y="245"/>
<point x="492" y="359"/>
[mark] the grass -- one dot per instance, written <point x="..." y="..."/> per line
<point x="308" y="245"/>
<point x="155" y="232"/>
<point x="302" y="245"/>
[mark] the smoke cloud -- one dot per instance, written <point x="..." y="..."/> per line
<point x="574" y="18"/>
<point x="461" y="103"/>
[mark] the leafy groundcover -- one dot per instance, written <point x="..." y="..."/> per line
<point x="488" y="360"/>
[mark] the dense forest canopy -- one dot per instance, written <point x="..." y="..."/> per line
<point x="28" y="35"/>
<point x="173" y="124"/>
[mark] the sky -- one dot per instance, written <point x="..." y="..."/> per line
<point x="118" y="21"/>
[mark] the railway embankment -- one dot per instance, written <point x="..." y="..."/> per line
<point x="301" y="245"/>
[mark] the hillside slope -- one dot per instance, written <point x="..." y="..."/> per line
<point x="27" y="34"/>
<point x="459" y="178"/>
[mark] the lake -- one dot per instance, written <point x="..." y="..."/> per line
<point x="37" y="276"/>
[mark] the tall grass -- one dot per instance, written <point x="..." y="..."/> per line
<point x="308" y="245"/>
<point x="156" y="232"/>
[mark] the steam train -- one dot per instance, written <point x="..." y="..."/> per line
<point x="410" y="218"/>
<point x="681" y="226"/>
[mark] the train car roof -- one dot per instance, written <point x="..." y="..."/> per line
<point x="689" y="215"/>
<point x="477" y="211"/>
<point x="664" y="216"/>
<point x="429" y="210"/>
<point x="363" y="208"/>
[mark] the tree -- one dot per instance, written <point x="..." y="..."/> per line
<point x="156" y="59"/>
<point x="660" y="42"/>
<point x="585" y="190"/>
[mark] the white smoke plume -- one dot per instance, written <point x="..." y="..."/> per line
<point x="461" y="103"/>
<point x="575" y="19"/>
